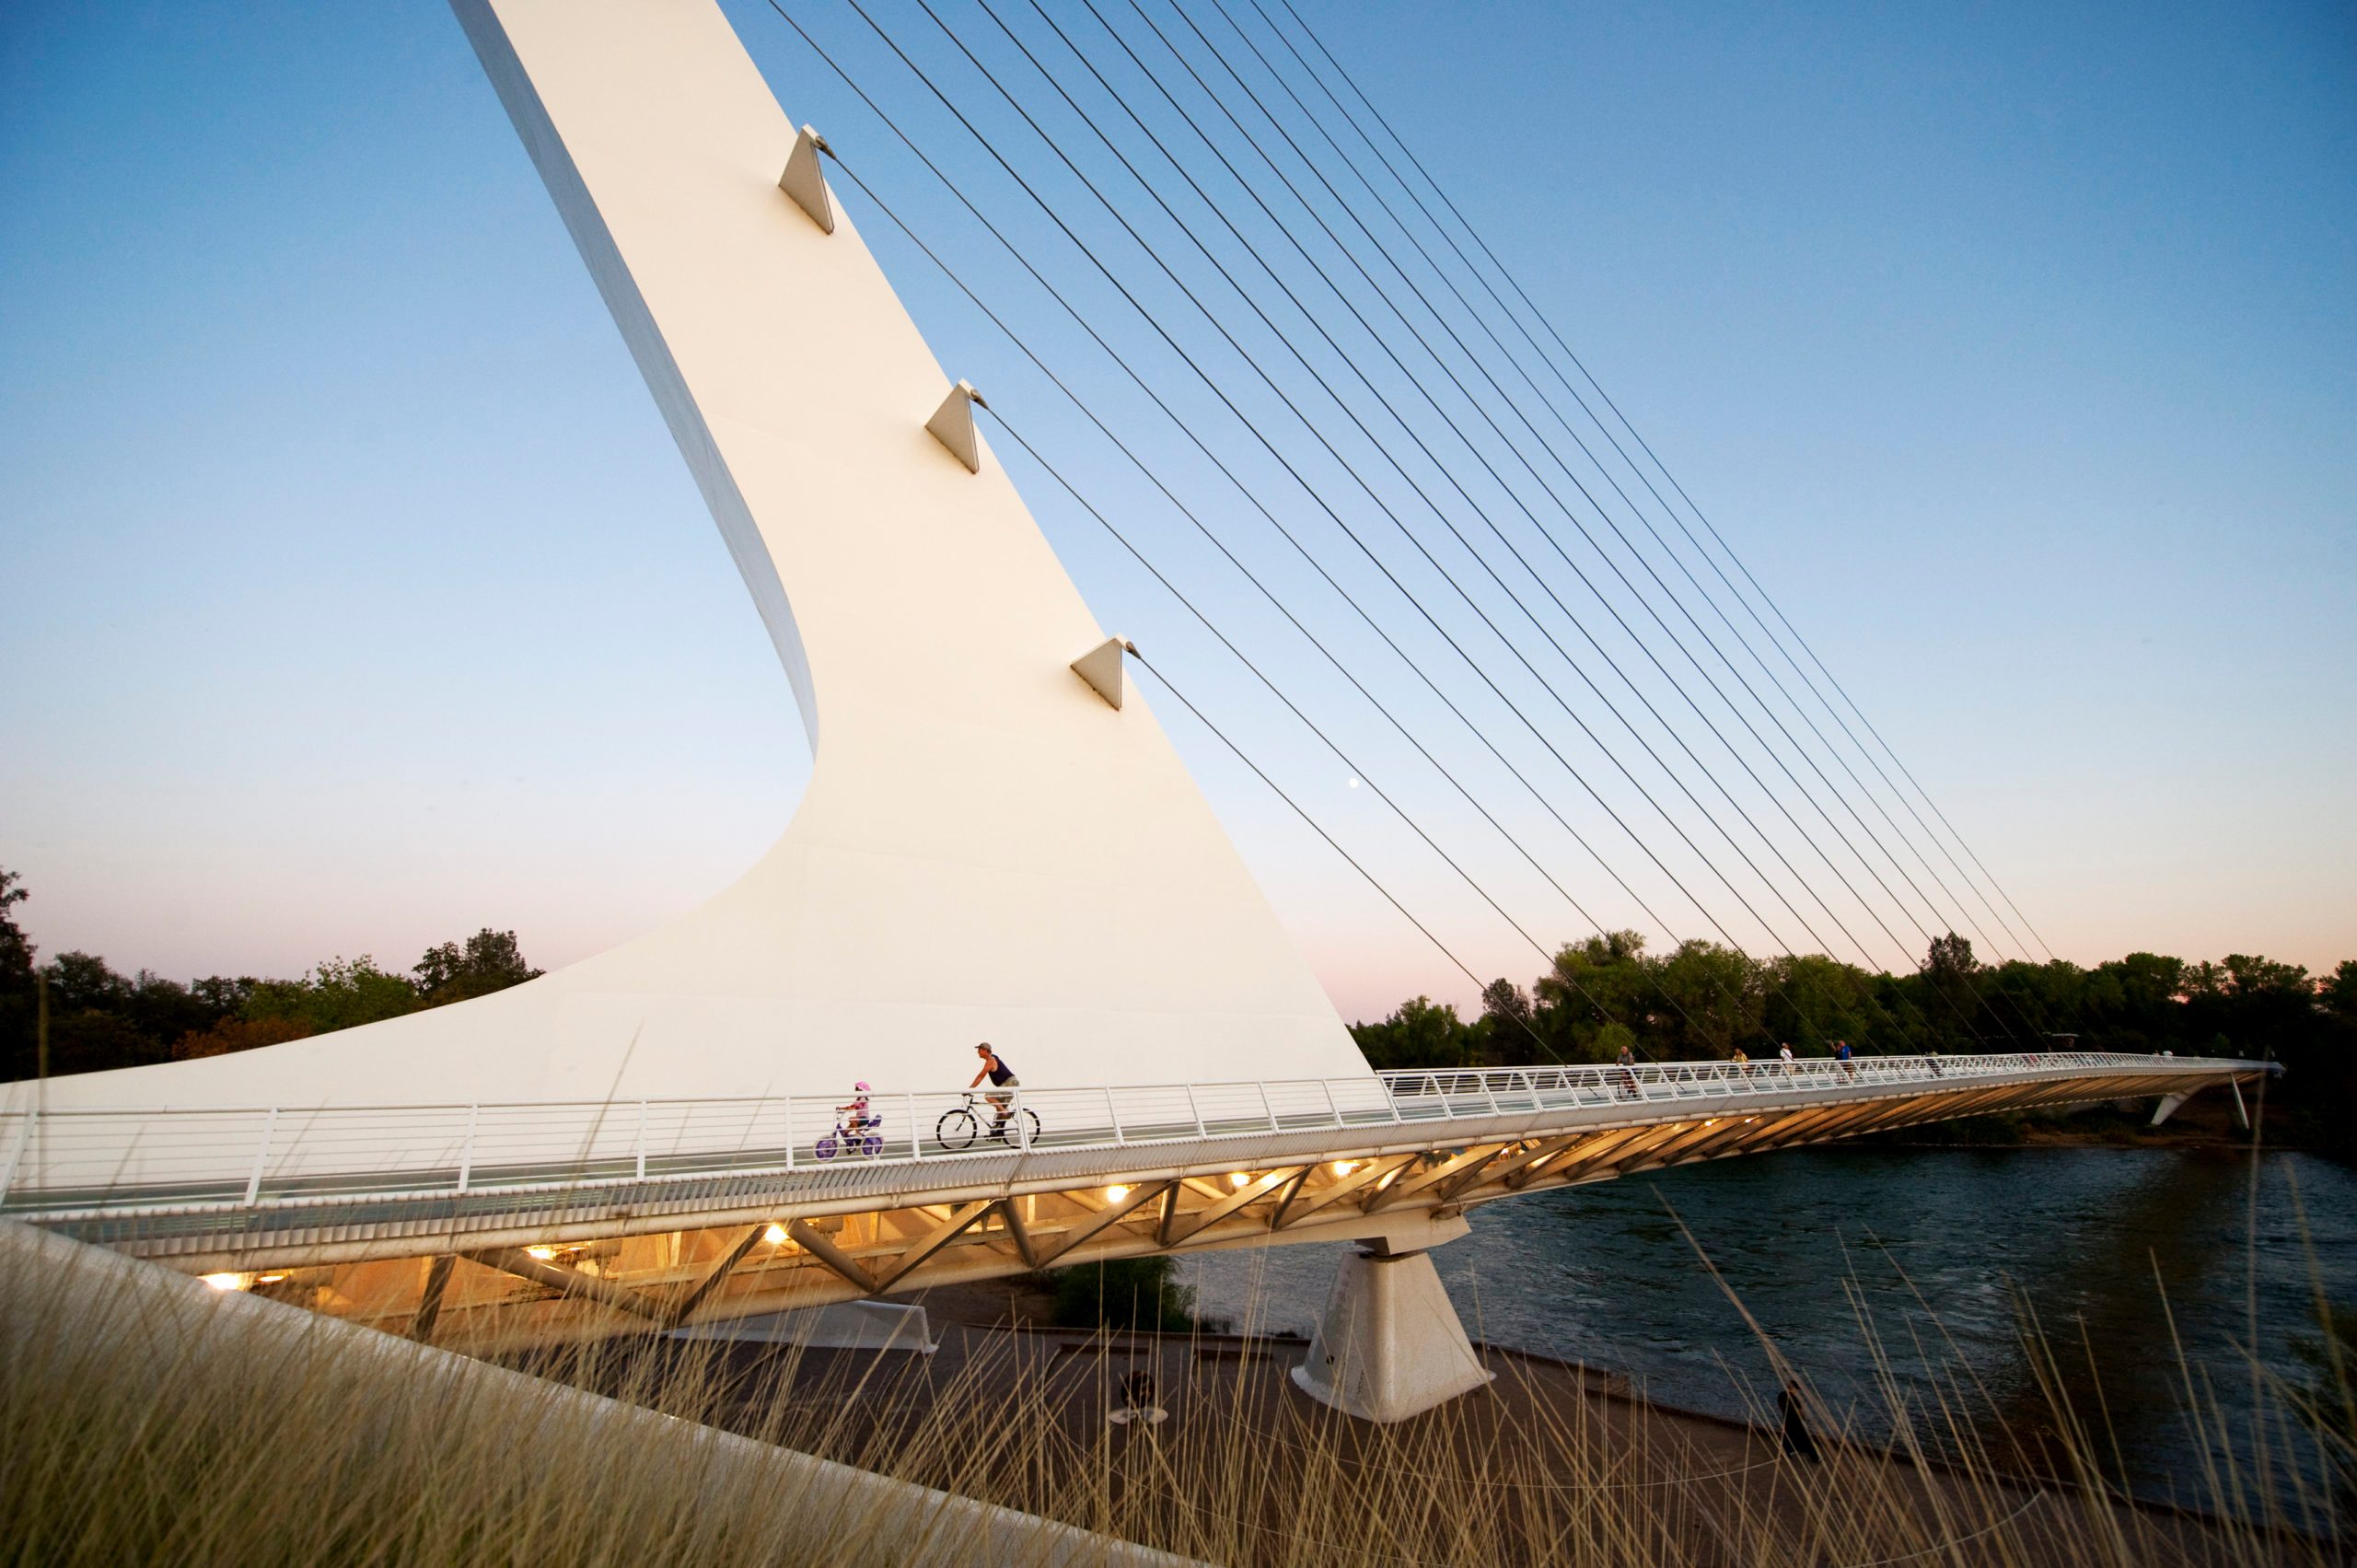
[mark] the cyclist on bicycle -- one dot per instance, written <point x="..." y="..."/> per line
<point x="855" y="1116"/>
<point x="1002" y="1077"/>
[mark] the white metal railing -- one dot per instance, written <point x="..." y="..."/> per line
<point x="82" y="1159"/>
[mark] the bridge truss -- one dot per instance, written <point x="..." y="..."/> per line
<point x="496" y="1225"/>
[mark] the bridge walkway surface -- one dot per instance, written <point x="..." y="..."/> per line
<point x="501" y="1225"/>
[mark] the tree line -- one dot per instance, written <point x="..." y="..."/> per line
<point x="1598" y="997"/>
<point x="1703" y="1000"/>
<point x="77" y="1013"/>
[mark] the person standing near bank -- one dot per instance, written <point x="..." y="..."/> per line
<point x="1795" y="1436"/>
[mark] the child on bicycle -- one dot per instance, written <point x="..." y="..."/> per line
<point x="855" y="1116"/>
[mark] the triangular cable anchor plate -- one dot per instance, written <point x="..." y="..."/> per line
<point x="1101" y="667"/>
<point x="952" y="424"/>
<point x="805" y="181"/>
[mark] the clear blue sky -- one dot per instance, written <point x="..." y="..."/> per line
<point x="356" y="598"/>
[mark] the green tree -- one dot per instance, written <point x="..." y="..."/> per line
<point x="1420" y="1033"/>
<point x="491" y="960"/>
<point x="1504" y="1001"/>
<point x="1721" y="996"/>
<point x="1589" y="984"/>
<point x="18" y="988"/>
<point x="1951" y="999"/>
<point x="98" y="1019"/>
<point x="1812" y="1000"/>
<point x="2336" y="993"/>
<point x="233" y="1034"/>
<point x="340" y="994"/>
<point x="2134" y="1004"/>
<point x="15" y="952"/>
<point x="2252" y="1003"/>
<point x="1124" y="1293"/>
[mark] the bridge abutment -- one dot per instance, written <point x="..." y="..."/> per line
<point x="1391" y="1344"/>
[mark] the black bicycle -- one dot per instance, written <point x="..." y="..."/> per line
<point x="962" y="1125"/>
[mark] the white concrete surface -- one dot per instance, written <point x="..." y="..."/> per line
<point x="1390" y="1345"/>
<point x="987" y="850"/>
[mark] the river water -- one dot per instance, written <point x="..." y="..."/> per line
<point x="2121" y="1255"/>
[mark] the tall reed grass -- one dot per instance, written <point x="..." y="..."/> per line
<point x="139" y="1428"/>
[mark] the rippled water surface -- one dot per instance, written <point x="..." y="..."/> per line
<point x="2104" y="1246"/>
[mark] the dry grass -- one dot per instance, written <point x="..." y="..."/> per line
<point x="140" y="1429"/>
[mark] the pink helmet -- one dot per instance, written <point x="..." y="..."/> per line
<point x="860" y="1086"/>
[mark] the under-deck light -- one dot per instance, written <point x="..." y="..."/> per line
<point x="543" y="1253"/>
<point x="1236" y="1178"/>
<point x="1710" y="1121"/>
<point x="227" y="1282"/>
<point x="1343" y="1167"/>
<point x="775" y="1235"/>
<point x="1117" y="1191"/>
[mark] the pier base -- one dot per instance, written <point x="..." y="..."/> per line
<point x="1390" y="1345"/>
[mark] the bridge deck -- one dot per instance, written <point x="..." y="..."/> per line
<point x="575" y="1217"/>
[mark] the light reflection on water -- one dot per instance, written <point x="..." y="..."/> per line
<point x="2086" y="1240"/>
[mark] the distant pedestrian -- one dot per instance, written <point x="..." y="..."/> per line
<point x="1932" y="1056"/>
<point x="1627" y="1061"/>
<point x="1796" y="1440"/>
<point x="1742" y="1063"/>
<point x="1784" y="1054"/>
<point x="1842" y="1054"/>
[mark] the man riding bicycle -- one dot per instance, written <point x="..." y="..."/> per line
<point x="1002" y="1077"/>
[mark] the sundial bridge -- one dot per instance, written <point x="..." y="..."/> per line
<point x="633" y="1141"/>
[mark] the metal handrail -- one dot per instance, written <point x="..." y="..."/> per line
<point x="244" y="1155"/>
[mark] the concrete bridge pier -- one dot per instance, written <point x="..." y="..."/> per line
<point x="1390" y="1345"/>
<point x="2167" y="1107"/>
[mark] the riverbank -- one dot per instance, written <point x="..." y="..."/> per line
<point x="2159" y="1274"/>
<point x="1548" y="1443"/>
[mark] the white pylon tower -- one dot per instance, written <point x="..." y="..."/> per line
<point x="998" y="841"/>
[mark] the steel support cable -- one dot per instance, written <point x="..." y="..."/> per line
<point x="1761" y="740"/>
<point x="1154" y="256"/>
<point x="1277" y="790"/>
<point x="1115" y="212"/>
<point x="1194" y="365"/>
<point x="1284" y="229"/>
<point x="1546" y="956"/>
<point x="1474" y="314"/>
<point x="1085" y="250"/>
<point x="1636" y="509"/>
<point x="1604" y="513"/>
<point x="1421" y="447"/>
<point x="1670" y="511"/>
<point x="1604" y="470"/>
<point x="1375" y="392"/>
<point x="1268" y="593"/>
<point x="1311" y="490"/>
<point x="1199" y="445"/>
<point x="1523" y="563"/>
